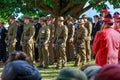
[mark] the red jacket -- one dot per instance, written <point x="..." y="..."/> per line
<point x="106" y="46"/>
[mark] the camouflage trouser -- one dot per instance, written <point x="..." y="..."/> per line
<point x="51" y="53"/>
<point x="44" y="56"/>
<point x="70" y="51"/>
<point x="80" y="56"/>
<point x="88" y="50"/>
<point x="28" y="49"/>
<point x="61" y="56"/>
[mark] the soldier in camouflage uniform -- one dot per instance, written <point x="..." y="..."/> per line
<point x="80" y="44"/>
<point x="11" y="36"/>
<point x="27" y="41"/>
<point x="61" y="36"/>
<point x="88" y="25"/>
<point x="42" y="43"/>
<point x="70" y="46"/>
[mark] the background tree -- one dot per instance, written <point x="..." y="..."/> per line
<point x="55" y="7"/>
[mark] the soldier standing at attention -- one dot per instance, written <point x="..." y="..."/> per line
<point x="37" y="26"/>
<point x="88" y="26"/>
<point x="3" y="33"/>
<point x="70" y="45"/>
<point x="19" y="34"/>
<point x="51" y="41"/>
<point x="11" y="36"/>
<point x="42" y="42"/>
<point x="27" y="38"/>
<point x="61" y="36"/>
<point x="80" y="43"/>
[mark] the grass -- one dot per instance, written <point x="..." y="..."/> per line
<point x="51" y="73"/>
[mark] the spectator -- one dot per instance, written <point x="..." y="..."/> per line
<point x="18" y="67"/>
<point x="71" y="74"/>
<point x="109" y="72"/>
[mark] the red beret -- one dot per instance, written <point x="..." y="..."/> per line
<point x="109" y="72"/>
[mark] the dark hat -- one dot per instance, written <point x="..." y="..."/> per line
<point x="71" y="74"/>
<point x="116" y="15"/>
<point x="36" y="18"/>
<point x="108" y="18"/>
<point x="69" y="18"/>
<point x="105" y="9"/>
<point x="96" y="16"/>
<point x="109" y="72"/>
<point x="84" y="16"/>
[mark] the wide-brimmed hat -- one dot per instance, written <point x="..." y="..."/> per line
<point x="81" y="21"/>
<point x="84" y="16"/>
<point x="60" y="18"/>
<point x="26" y="17"/>
<point x="108" y="19"/>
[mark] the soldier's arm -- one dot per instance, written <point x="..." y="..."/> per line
<point x="47" y="36"/>
<point x="89" y="29"/>
<point x="65" y="35"/>
<point x="72" y="31"/>
<point x="32" y="32"/>
<point x="83" y="35"/>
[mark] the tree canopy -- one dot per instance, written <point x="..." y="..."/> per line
<point x="54" y="7"/>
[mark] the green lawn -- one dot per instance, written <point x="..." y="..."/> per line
<point x="51" y="73"/>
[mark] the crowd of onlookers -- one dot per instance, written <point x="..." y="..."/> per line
<point x="60" y="40"/>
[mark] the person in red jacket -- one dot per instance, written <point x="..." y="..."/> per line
<point x="106" y="44"/>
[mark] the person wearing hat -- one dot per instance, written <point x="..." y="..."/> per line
<point x="70" y="73"/>
<point x="19" y="34"/>
<point x="3" y="33"/>
<point x="109" y="72"/>
<point x="51" y="27"/>
<point x="80" y="44"/>
<point x="106" y="43"/>
<point x="115" y="16"/>
<point x="70" y="44"/>
<point x="88" y="26"/>
<point x="42" y="43"/>
<point x="105" y="10"/>
<point x="11" y="36"/>
<point x="27" y="41"/>
<point x="37" y="26"/>
<point x="61" y="36"/>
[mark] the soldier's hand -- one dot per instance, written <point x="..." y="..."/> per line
<point x="36" y="45"/>
<point x="21" y="43"/>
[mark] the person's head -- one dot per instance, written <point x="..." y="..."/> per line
<point x="100" y="16"/>
<point x="43" y="20"/>
<point x="118" y="22"/>
<point x="109" y="72"/>
<point x="60" y="20"/>
<point x="48" y="20"/>
<point x="69" y="19"/>
<point x="105" y="10"/>
<point x="1" y="24"/>
<point x="36" y="20"/>
<point x="116" y="16"/>
<point x="70" y="73"/>
<point x="96" y="18"/>
<point x="17" y="56"/>
<point x="108" y="21"/>
<point x="11" y="19"/>
<point x="84" y="17"/>
<point x="19" y="21"/>
<point x="26" y="19"/>
<point x="81" y="23"/>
